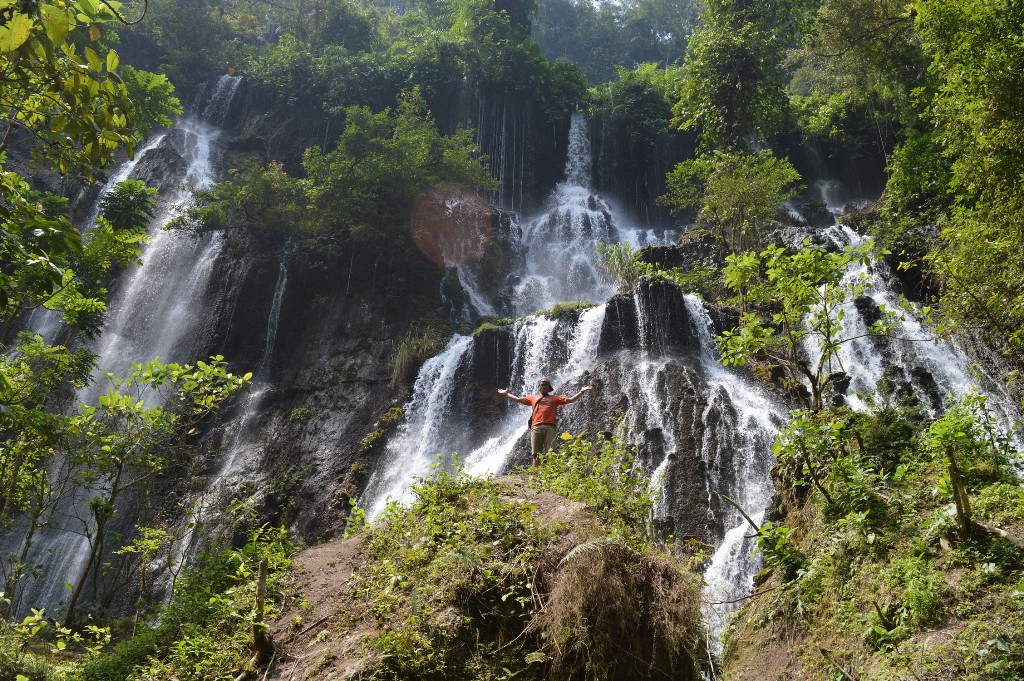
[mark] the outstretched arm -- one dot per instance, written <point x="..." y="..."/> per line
<point x="506" y="393"/>
<point x="570" y="400"/>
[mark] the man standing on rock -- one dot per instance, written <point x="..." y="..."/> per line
<point x="545" y="415"/>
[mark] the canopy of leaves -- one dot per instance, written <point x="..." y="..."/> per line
<point x="733" y="86"/>
<point x="855" y="70"/>
<point x="600" y="38"/>
<point x="977" y="108"/>
<point x="362" y="190"/>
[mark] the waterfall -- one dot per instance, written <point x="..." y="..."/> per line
<point x="263" y="370"/>
<point x="48" y="323"/>
<point x="912" y="357"/>
<point x="155" y="312"/>
<point x="730" y="430"/>
<point x="411" y="453"/>
<point x="242" y="455"/>
<point x="702" y="431"/>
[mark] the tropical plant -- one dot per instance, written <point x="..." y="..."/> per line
<point x="802" y="294"/>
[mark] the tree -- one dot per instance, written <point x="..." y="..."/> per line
<point x="736" y="193"/>
<point x="361" y="191"/>
<point x="798" y="298"/>
<point x="733" y="83"/>
<point x="977" y="114"/>
<point x="64" y="105"/>
<point x="122" y="445"/>
<point x="857" y="66"/>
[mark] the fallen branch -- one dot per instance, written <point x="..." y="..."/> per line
<point x="992" y="529"/>
<point x="312" y="626"/>
<point x="755" y="594"/>
<point x="742" y="513"/>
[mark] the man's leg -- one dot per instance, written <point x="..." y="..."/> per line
<point x="536" y="444"/>
<point x="542" y="439"/>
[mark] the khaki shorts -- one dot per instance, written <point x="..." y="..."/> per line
<point x="542" y="439"/>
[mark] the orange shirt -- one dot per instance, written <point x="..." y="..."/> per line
<point x="545" y="408"/>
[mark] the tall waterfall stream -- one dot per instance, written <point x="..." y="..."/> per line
<point x="157" y="311"/>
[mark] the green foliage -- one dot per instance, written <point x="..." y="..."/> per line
<point x="67" y="97"/>
<point x="118" y="444"/>
<point x="53" y="266"/>
<point x="265" y="202"/>
<point x="565" y="310"/>
<point x="639" y="100"/>
<point x="776" y="546"/>
<point x="800" y="295"/>
<point x="411" y="351"/>
<point x="151" y="95"/>
<point x="380" y="428"/>
<point x="977" y="126"/>
<point x="65" y="106"/>
<point x="733" y="84"/>
<point x="433" y="46"/>
<point x="359" y="192"/>
<point x="620" y="262"/>
<point x="867" y="578"/>
<point x="469" y="581"/>
<point x="193" y="41"/>
<point x="205" y="631"/>
<point x="736" y="193"/>
<point x="461" y="545"/>
<point x="492" y="324"/>
<point x="626" y="266"/>
<point x="603" y="475"/>
<point x="856" y="67"/>
<point x="600" y="38"/>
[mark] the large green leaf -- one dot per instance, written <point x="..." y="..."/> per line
<point x="15" y="33"/>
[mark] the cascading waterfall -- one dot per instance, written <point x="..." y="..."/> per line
<point x="751" y="421"/>
<point x="48" y="323"/>
<point x="911" y="356"/>
<point x="242" y="455"/>
<point x="737" y="420"/>
<point x="559" y="257"/>
<point x="677" y="397"/>
<point x="155" y="313"/>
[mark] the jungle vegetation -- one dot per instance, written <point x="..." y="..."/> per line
<point x="926" y="94"/>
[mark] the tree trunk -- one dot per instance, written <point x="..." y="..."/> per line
<point x="263" y="647"/>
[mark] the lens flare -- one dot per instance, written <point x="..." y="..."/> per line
<point x="452" y="225"/>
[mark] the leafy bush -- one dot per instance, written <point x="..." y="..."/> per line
<point x="619" y="261"/>
<point x="565" y="310"/>
<point x="470" y="582"/>
<point x="603" y="475"/>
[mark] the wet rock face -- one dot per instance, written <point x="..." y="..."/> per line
<point x="653" y="317"/>
<point x="164" y="166"/>
<point x="682" y="437"/>
<point x="329" y="372"/>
